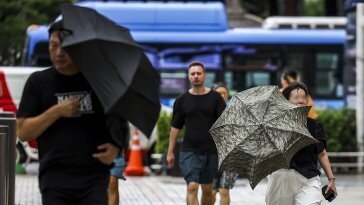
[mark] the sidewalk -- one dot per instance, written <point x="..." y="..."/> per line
<point x="162" y="190"/>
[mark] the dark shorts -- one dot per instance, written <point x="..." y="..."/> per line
<point x="200" y="168"/>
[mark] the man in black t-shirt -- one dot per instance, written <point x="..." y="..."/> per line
<point x="301" y="183"/>
<point x="60" y="111"/>
<point x="197" y="110"/>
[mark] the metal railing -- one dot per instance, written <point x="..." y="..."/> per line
<point x="7" y="158"/>
<point x="359" y="165"/>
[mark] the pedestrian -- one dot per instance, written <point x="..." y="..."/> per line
<point x="119" y="127"/>
<point x="59" y="109"/>
<point x="224" y="180"/>
<point x="196" y="110"/>
<point x="116" y="173"/>
<point x="301" y="185"/>
<point x="290" y="76"/>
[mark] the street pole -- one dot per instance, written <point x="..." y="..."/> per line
<point x="360" y="80"/>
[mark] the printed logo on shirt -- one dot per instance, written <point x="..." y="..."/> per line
<point x="83" y="96"/>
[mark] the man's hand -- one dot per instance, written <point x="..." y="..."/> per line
<point x="331" y="186"/>
<point x="170" y="159"/>
<point x="69" y="107"/>
<point x="110" y="152"/>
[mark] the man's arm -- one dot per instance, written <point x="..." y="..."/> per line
<point x="30" y="128"/>
<point x="172" y="143"/>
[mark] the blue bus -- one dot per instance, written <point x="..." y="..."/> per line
<point x="174" y="34"/>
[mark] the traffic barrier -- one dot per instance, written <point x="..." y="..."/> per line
<point x="135" y="164"/>
<point x="7" y="158"/>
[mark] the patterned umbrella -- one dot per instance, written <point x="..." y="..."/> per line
<point x="259" y="132"/>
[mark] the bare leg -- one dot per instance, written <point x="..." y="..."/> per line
<point x="214" y="192"/>
<point x="192" y="190"/>
<point x="113" y="191"/>
<point x="206" y="194"/>
<point x="224" y="196"/>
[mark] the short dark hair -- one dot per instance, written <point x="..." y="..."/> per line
<point x="219" y="85"/>
<point x="56" y="26"/>
<point x="197" y="63"/>
<point x="294" y="86"/>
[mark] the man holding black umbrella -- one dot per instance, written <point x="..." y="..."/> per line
<point x="60" y="110"/>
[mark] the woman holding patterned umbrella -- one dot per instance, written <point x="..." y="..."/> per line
<point x="301" y="183"/>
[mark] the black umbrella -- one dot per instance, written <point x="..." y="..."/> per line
<point x="116" y="67"/>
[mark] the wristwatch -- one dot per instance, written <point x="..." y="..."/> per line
<point x="331" y="178"/>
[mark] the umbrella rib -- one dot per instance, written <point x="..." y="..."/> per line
<point x="278" y="116"/>
<point x="266" y="108"/>
<point x="280" y="129"/>
<point x="248" y="110"/>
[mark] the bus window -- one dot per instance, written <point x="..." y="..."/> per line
<point x="210" y="78"/>
<point x="257" y="79"/>
<point x="173" y="83"/>
<point x="252" y="58"/>
<point x="295" y="61"/>
<point x="180" y="57"/>
<point x="327" y="80"/>
<point x="326" y="84"/>
<point x="327" y="61"/>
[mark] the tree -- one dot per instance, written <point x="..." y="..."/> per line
<point x="15" y="17"/>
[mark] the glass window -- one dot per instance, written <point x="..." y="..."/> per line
<point x="180" y="57"/>
<point x="295" y="61"/>
<point x="326" y="85"/>
<point x="173" y="83"/>
<point x="251" y="58"/>
<point x="257" y="79"/>
<point x="238" y="81"/>
<point x="210" y="79"/>
<point x="327" y="60"/>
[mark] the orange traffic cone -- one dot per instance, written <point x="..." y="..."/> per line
<point x="135" y="164"/>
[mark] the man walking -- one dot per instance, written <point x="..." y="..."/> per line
<point x="197" y="110"/>
<point x="60" y="111"/>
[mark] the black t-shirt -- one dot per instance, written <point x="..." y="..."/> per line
<point x="66" y="147"/>
<point x="305" y="160"/>
<point x="197" y="113"/>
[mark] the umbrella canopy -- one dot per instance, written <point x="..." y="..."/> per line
<point x="259" y="132"/>
<point x="115" y="66"/>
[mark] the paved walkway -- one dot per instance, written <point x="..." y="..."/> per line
<point x="172" y="191"/>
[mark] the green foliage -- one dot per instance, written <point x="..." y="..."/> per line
<point x="340" y="129"/>
<point x="15" y="17"/>
<point x="163" y="129"/>
<point x="314" y="8"/>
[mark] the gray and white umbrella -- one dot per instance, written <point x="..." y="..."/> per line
<point x="259" y="132"/>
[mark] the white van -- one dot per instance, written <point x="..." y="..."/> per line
<point x="12" y="81"/>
